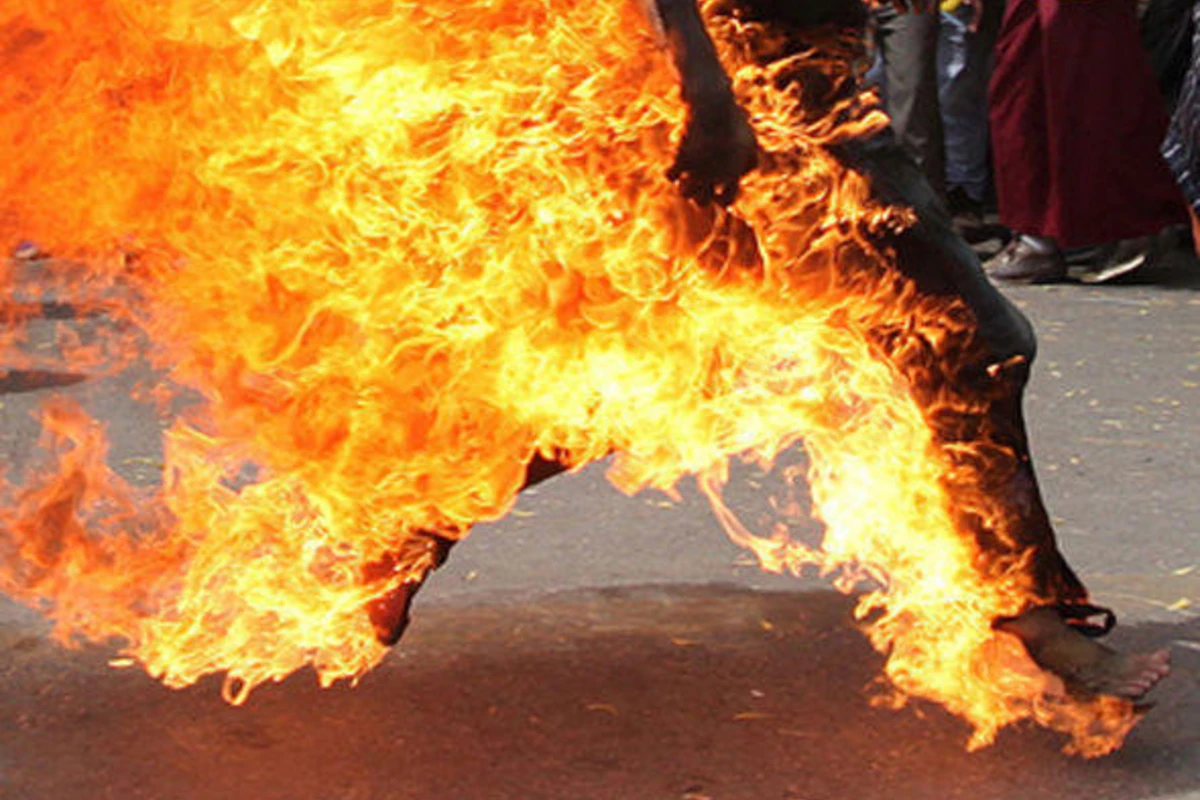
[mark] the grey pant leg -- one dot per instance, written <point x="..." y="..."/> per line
<point x="908" y="46"/>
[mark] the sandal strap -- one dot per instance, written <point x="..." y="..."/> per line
<point x="1079" y="615"/>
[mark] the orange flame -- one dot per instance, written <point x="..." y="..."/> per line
<point x="384" y="252"/>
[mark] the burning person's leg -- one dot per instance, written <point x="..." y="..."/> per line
<point x="422" y="554"/>
<point x="1014" y="532"/>
<point x="983" y="370"/>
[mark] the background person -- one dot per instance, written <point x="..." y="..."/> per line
<point x="907" y="70"/>
<point x="1077" y="121"/>
<point x="1182" y="145"/>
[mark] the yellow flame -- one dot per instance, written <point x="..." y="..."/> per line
<point x="386" y="251"/>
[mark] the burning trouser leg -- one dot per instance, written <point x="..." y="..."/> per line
<point x="990" y="380"/>
<point x="982" y="372"/>
<point x="990" y="367"/>
<point x="1016" y="536"/>
<point x="421" y="554"/>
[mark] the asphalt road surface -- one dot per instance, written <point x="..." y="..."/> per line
<point x="593" y="645"/>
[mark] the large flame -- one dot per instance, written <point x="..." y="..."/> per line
<point x="383" y="252"/>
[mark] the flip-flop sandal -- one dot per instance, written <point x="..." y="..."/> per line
<point x="1079" y="616"/>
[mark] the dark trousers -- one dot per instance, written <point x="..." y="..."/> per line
<point x="908" y="47"/>
<point x="986" y="371"/>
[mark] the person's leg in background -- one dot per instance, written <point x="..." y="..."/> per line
<point x="1182" y="145"/>
<point x="908" y="45"/>
<point x="1020" y="146"/>
<point x="965" y="57"/>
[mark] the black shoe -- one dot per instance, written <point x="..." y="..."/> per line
<point x="964" y="209"/>
<point x="1123" y="258"/>
<point x="1028" y="259"/>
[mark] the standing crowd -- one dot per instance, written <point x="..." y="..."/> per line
<point x="1077" y="120"/>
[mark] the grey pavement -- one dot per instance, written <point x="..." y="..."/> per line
<point x="593" y="645"/>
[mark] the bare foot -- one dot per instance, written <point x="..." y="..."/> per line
<point x="1085" y="666"/>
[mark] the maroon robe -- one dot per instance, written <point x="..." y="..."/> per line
<point x="1077" y="121"/>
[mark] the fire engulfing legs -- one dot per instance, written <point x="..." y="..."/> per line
<point x="387" y="253"/>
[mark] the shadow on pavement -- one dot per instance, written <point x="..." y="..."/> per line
<point x="679" y="693"/>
